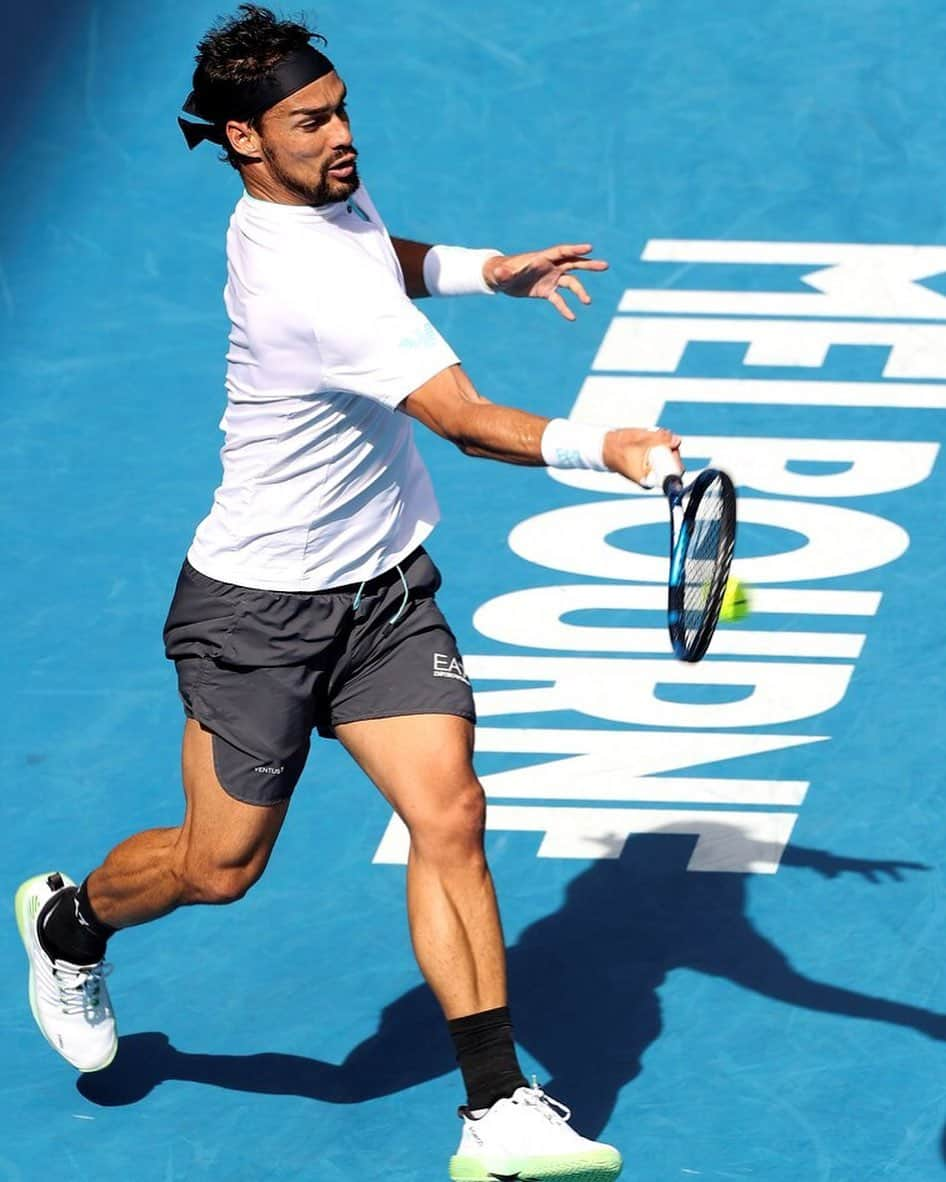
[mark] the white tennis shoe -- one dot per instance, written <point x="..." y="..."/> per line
<point x="527" y="1138"/>
<point x="69" y="1002"/>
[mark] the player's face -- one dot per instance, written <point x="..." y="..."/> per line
<point x="306" y="145"/>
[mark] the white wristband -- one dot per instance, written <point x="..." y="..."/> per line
<point x="456" y="270"/>
<point x="567" y="444"/>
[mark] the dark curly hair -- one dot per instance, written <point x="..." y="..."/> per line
<point x="240" y="49"/>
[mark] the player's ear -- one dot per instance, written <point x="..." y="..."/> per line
<point x="243" y="139"/>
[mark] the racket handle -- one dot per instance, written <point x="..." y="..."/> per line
<point x="664" y="466"/>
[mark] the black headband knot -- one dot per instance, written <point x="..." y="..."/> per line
<point x="246" y="100"/>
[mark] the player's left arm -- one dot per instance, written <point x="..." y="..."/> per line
<point x="411" y="256"/>
<point x="537" y="274"/>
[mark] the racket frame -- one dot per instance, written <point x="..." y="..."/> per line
<point x="682" y="518"/>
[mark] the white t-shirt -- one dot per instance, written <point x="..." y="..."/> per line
<point x="322" y="482"/>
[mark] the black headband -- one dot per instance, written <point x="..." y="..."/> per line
<point x="246" y="100"/>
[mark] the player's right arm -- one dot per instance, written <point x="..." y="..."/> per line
<point x="451" y="406"/>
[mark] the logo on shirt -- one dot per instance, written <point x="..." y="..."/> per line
<point x="423" y="338"/>
<point x="447" y="666"/>
<point x="266" y="770"/>
<point x="354" y="207"/>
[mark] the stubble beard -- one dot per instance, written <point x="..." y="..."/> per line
<point x="326" y="190"/>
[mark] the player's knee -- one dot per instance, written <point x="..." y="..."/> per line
<point x="454" y="831"/>
<point x="228" y="884"/>
<point x="217" y="884"/>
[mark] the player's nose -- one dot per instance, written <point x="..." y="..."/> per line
<point x="340" y="132"/>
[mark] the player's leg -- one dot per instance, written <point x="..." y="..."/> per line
<point x="217" y="853"/>
<point x="219" y="850"/>
<point x="423" y="766"/>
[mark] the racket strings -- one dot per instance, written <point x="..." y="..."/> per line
<point x="701" y="587"/>
<point x="703" y="530"/>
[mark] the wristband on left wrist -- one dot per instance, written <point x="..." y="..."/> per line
<point x="457" y="270"/>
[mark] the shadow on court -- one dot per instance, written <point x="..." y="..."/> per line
<point x="583" y="981"/>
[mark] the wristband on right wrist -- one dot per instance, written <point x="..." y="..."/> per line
<point x="567" y="444"/>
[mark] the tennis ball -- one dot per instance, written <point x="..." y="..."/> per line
<point x="736" y="603"/>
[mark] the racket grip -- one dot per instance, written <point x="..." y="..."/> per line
<point x="664" y="465"/>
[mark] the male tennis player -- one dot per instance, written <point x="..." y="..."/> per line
<point x="306" y="602"/>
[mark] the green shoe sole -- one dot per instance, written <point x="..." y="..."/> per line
<point x="597" y="1167"/>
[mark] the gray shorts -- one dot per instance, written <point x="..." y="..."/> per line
<point x="262" y="669"/>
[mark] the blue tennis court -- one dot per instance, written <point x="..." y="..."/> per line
<point x="722" y="885"/>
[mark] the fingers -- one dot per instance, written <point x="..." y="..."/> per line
<point x="584" y="264"/>
<point x="564" y="251"/>
<point x="668" y="438"/>
<point x="576" y="286"/>
<point x="559" y="304"/>
<point x="632" y="451"/>
<point x="569" y="254"/>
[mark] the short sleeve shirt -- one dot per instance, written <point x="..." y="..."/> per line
<point x="322" y="481"/>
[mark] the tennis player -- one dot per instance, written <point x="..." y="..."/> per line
<point x="307" y="601"/>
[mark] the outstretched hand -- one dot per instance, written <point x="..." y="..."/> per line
<point x="544" y="274"/>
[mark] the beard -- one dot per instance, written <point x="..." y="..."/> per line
<point x="326" y="189"/>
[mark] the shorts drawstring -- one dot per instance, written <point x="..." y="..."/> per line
<point x="400" y="611"/>
<point x="356" y="602"/>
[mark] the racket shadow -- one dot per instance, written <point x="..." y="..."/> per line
<point x="584" y="987"/>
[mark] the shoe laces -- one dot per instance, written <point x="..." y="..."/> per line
<point x="80" y="986"/>
<point x="553" y="1110"/>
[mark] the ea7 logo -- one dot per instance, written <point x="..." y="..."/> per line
<point x="447" y="666"/>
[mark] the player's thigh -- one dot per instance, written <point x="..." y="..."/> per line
<point x="219" y="831"/>
<point x="423" y="765"/>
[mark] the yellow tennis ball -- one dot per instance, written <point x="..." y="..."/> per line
<point x="736" y="602"/>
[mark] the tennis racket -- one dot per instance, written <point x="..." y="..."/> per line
<point x="702" y="537"/>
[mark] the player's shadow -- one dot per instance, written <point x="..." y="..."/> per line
<point x="584" y="986"/>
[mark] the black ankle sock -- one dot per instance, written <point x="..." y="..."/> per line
<point x="487" y="1056"/>
<point x="70" y="930"/>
